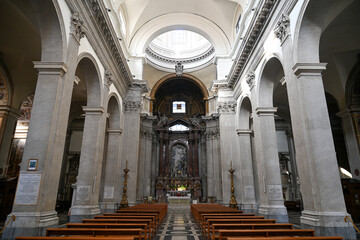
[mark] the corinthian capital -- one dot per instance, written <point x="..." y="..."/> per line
<point x="108" y="78"/>
<point x="77" y="26"/>
<point x="282" y="28"/>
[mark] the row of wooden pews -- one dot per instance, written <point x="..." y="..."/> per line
<point x="139" y="222"/>
<point x="218" y="222"/>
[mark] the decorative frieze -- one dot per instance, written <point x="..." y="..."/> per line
<point x="77" y="26"/>
<point x="249" y="45"/>
<point x="282" y="28"/>
<point x="111" y="39"/>
<point x="227" y="107"/>
<point x="131" y="106"/>
<point x="146" y="133"/>
<point x="250" y="79"/>
<point x="108" y="78"/>
<point x="212" y="133"/>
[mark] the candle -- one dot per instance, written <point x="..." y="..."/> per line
<point x="231" y="164"/>
<point x="126" y="163"/>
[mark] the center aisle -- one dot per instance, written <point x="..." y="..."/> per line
<point x="179" y="225"/>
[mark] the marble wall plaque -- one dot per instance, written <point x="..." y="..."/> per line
<point x="109" y="192"/>
<point x="28" y="189"/>
<point x="83" y="193"/>
<point x="275" y="192"/>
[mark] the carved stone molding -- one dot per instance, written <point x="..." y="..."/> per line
<point x="227" y="107"/>
<point x="212" y="133"/>
<point x="146" y="133"/>
<point x="249" y="45"/>
<point x="266" y="111"/>
<point x="108" y="78"/>
<point x="77" y="26"/>
<point x="282" y="28"/>
<point x="111" y="39"/>
<point x="250" y="79"/>
<point x="244" y="131"/>
<point x="132" y="106"/>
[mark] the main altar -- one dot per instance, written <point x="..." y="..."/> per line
<point x="178" y="180"/>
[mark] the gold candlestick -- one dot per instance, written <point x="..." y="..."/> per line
<point x="124" y="202"/>
<point x="233" y="202"/>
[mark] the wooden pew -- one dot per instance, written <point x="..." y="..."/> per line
<point x="213" y="232"/>
<point x="153" y="218"/>
<point x="76" y="238"/>
<point x="286" y="238"/>
<point x="257" y="219"/>
<point x="148" y="222"/>
<point x="144" y="226"/>
<point x="224" y="234"/>
<point x="137" y="233"/>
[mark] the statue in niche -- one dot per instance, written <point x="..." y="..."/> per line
<point x="178" y="161"/>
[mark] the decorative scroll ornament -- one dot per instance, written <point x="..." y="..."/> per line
<point x="131" y="106"/>
<point x="77" y="26"/>
<point x="227" y="107"/>
<point x="108" y="78"/>
<point x="250" y="79"/>
<point x="281" y="30"/>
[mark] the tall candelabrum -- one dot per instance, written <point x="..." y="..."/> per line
<point x="124" y="202"/>
<point x="233" y="202"/>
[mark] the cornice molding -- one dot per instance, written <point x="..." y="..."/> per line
<point x="114" y="47"/>
<point x="266" y="111"/>
<point x="309" y="69"/>
<point x="249" y="45"/>
<point x="50" y="68"/>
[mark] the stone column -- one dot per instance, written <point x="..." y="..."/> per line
<point x="86" y="194"/>
<point x="131" y="134"/>
<point x="204" y="165"/>
<point x="324" y="206"/>
<point x="190" y="155"/>
<point x="196" y="155"/>
<point x="9" y="120"/>
<point x="161" y="154"/>
<point x="228" y="149"/>
<point x="293" y="165"/>
<point x="273" y="204"/>
<point x="111" y="172"/>
<point x="351" y="142"/>
<point x="167" y="155"/>
<point x="248" y="201"/>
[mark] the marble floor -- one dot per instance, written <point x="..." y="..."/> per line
<point x="179" y="225"/>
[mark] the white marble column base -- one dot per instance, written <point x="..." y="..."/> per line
<point x="30" y="224"/>
<point x="108" y="207"/>
<point x="249" y="207"/>
<point x="328" y="224"/>
<point x="77" y="213"/>
<point x="277" y="212"/>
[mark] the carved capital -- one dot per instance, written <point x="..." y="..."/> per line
<point x="250" y="79"/>
<point x="132" y="106"/>
<point x="77" y="26"/>
<point x="227" y="107"/>
<point x="282" y="28"/>
<point x="108" y="78"/>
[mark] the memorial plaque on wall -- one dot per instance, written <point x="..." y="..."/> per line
<point x="275" y="192"/>
<point x="28" y="189"/>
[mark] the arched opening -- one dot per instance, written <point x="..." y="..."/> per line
<point x="249" y="181"/>
<point x="179" y="102"/>
<point x="110" y="193"/>
<point x="33" y="34"/>
<point x="86" y="92"/>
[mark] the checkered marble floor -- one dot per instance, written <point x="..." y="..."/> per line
<point x="179" y="225"/>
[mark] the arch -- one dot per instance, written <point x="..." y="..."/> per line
<point x="173" y="21"/>
<point x="192" y="78"/>
<point x="6" y="87"/>
<point x="315" y="16"/>
<point x="114" y="111"/>
<point x="271" y="73"/>
<point x="89" y="71"/>
<point x="352" y="89"/>
<point x="245" y="111"/>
